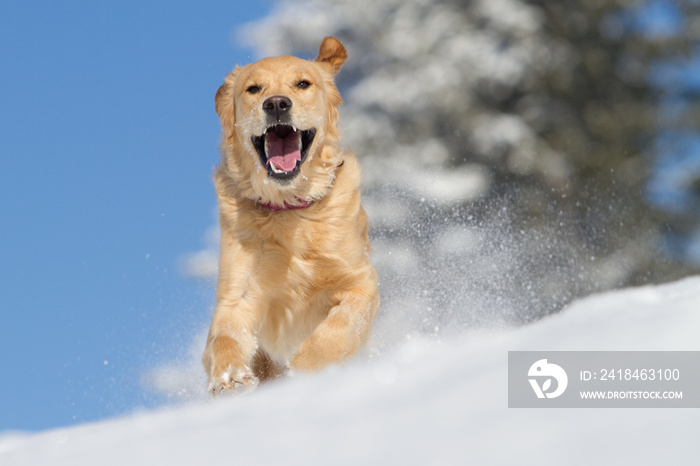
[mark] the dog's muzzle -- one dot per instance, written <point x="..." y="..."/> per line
<point x="282" y="147"/>
<point x="282" y="150"/>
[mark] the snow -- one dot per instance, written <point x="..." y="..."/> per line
<point x="427" y="400"/>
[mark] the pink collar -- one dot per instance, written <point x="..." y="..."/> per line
<point x="302" y="204"/>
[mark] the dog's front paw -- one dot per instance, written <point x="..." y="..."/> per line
<point x="233" y="380"/>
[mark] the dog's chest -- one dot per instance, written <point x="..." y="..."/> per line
<point x="299" y="302"/>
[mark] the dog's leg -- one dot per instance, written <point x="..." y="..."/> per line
<point x="232" y="341"/>
<point x="341" y="334"/>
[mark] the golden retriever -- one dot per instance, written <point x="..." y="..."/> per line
<point x="296" y="287"/>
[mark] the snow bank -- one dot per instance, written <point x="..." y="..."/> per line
<point x="423" y="402"/>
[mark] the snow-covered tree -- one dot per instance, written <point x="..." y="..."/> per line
<point x="504" y="143"/>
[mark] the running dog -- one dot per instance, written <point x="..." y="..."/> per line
<point x="296" y="288"/>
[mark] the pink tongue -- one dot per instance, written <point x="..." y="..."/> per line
<point x="284" y="153"/>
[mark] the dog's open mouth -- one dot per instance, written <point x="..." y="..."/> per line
<point x="282" y="150"/>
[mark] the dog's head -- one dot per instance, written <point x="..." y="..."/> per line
<point x="279" y="118"/>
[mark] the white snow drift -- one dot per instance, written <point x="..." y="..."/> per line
<point x="423" y="401"/>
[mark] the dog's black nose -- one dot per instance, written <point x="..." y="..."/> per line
<point x="277" y="106"/>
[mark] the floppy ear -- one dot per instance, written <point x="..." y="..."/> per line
<point x="333" y="53"/>
<point x="224" y="103"/>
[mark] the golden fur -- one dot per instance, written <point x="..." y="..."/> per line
<point x="296" y="288"/>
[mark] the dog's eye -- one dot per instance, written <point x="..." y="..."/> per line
<point x="253" y="89"/>
<point x="303" y="84"/>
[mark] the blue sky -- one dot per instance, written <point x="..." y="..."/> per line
<point x="108" y="138"/>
